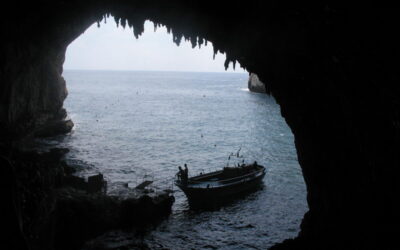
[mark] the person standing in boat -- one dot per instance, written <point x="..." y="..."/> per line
<point x="255" y="165"/>
<point x="180" y="173"/>
<point x="185" y="174"/>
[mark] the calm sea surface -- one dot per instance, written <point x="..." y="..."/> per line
<point x="129" y="125"/>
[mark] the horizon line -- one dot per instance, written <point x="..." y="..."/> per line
<point x="139" y="70"/>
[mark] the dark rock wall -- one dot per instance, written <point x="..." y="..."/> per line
<point x="32" y="90"/>
<point x="334" y="71"/>
<point x="32" y="87"/>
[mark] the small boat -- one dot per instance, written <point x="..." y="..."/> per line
<point x="222" y="185"/>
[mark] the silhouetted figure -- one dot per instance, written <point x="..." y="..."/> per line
<point x="180" y="173"/>
<point x="185" y="174"/>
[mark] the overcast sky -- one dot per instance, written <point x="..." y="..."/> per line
<point x="112" y="48"/>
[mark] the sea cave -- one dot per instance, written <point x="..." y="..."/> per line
<point x="332" y="70"/>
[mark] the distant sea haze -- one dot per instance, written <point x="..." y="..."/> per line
<point x="134" y="124"/>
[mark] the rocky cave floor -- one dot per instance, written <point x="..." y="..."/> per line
<point x="59" y="210"/>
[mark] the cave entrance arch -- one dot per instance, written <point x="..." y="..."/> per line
<point x="276" y="200"/>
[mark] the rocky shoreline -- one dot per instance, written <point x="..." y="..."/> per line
<point x="58" y="210"/>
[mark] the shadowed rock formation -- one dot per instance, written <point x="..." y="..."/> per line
<point x="334" y="72"/>
<point x="46" y="207"/>
<point x="255" y="85"/>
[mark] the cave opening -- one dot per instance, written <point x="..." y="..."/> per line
<point x="332" y="69"/>
<point x="143" y="123"/>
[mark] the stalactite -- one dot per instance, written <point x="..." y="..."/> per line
<point x="123" y="22"/>
<point x="193" y="40"/>
<point x="177" y="38"/>
<point x="116" y="19"/>
<point x="200" y="42"/>
<point x="138" y="28"/>
<point x="215" y="51"/>
<point x="226" y="63"/>
<point x="130" y="24"/>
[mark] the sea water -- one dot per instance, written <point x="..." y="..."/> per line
<point x="132" y="126"/>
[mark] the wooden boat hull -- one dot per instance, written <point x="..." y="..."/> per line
<point x="218" y="194"/>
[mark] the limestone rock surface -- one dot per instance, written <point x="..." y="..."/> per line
<point x="255" y="85"/>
